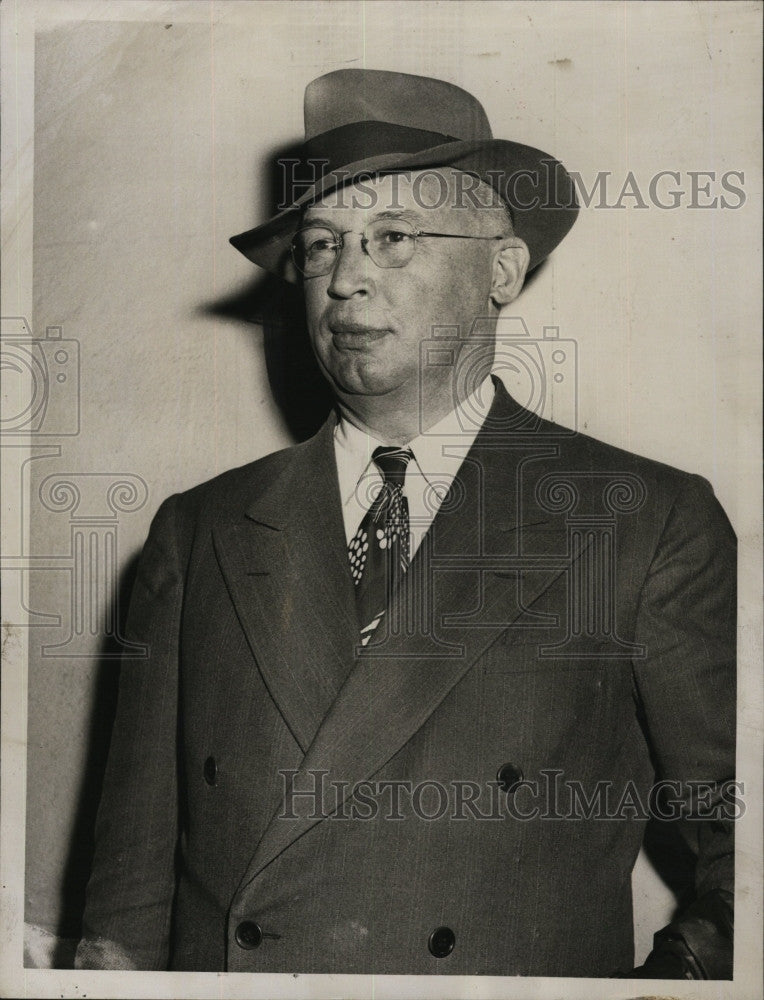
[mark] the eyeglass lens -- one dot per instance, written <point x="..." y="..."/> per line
<point x="388" y="243"/>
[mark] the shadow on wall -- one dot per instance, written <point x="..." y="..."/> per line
<point x="298" y="387"/>
<point x="43" y="948"/>
<point x="672" y="859"/>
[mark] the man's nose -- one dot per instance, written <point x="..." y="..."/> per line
<point x="353" y="272"/>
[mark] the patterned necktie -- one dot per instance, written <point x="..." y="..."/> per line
<point x="379" y="550"/>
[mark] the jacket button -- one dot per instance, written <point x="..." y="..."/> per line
<point x="249" y="935"/>
<point x="210" y="771"/>
<point x="509" y="776"/>
<point x="441" y="942"/>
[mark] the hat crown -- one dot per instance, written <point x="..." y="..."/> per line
<point x="364" y="122"/>
<point x="348" y="96"/>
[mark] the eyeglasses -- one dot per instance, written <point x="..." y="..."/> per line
<point x="315" y="249"/>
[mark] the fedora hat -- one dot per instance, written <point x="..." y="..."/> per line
<point x="361" y="122"/>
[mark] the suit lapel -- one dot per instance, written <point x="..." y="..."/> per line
<point x="466" y="589"/>
<point x="287" y="572"/>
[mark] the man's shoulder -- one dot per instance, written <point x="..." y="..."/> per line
<point x="259" y="470"/>
<point x="563" y="449"/>
<point x="593" y="454"/>
<point x="576" y="474"/>
<point x="231" y="492"/>
<point x="590" y="454"/>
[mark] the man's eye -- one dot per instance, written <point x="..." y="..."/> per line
<point x="393" y="236"/>
<point x="322" y="245"/>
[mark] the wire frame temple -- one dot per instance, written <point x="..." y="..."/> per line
<point x="457" y="236"/>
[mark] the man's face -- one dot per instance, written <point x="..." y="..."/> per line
<point x="366" y="323"/>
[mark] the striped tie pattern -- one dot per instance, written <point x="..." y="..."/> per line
<point x="379" y="550"/>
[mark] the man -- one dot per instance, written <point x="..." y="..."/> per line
<point x="410" y="683"/>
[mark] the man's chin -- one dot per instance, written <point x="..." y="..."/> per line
<point x="364" y="378"/>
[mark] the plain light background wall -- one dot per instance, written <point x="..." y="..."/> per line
<point x="152" y="138"/>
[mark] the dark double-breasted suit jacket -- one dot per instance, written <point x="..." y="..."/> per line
<point x="567" y="626"/>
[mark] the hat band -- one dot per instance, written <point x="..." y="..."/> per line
<point x="346" y="144"/>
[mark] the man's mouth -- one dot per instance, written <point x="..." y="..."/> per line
<point x="355" y="335"/>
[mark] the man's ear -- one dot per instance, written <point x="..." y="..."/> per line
<point x="509" y="268"/>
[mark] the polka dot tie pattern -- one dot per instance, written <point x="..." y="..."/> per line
<point x="379" y="550"/>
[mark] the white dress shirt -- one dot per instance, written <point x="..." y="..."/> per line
<point x="438" y="453"/>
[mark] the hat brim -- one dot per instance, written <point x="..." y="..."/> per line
<point x="539" y="191"/>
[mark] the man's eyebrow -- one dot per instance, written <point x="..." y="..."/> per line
<point x="399" y="213"/>
<point x="315" y="220"/>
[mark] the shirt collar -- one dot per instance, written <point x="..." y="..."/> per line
<point x="439" y="451"/>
